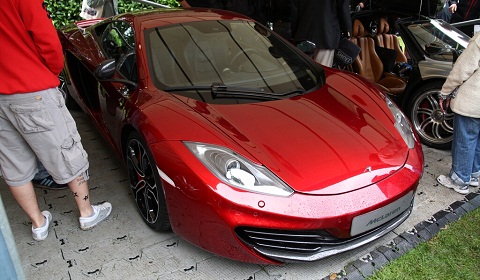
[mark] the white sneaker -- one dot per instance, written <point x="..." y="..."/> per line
<point x="41" y="233"/>
<point x="474" y="182"/>
<point x="100" y="213"/>
<point x="449" y="183"/>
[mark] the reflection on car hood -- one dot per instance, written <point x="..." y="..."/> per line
<point x="317" y="140"/>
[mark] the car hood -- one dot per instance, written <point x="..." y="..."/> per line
<point x="323" y="142"/>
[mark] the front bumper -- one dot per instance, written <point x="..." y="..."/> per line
<point x="291" y="246"/>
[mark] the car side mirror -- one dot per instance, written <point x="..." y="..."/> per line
<point x="307" y="47"/>
<point x="105" y="72"/>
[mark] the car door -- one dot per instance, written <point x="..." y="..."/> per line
<point x="117" y="42"/>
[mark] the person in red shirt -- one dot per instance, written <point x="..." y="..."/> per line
<point x="34" y="121"/>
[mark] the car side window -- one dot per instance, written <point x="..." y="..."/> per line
<point x="118" y="42"/>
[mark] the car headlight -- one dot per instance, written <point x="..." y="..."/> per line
<point x="237" y="171"/>
<point x="401" y="124"/>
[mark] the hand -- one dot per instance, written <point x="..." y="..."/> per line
<point x="444" y="104"/>
<point x="452" y="8"/>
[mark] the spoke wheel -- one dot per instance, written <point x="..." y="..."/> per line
<point x="433" y="126"/>
<point x="145" y="184"/>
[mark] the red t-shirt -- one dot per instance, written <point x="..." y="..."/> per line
<point x="31" y="55"/>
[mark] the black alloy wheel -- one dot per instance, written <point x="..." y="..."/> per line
<point x="145" y="184"/>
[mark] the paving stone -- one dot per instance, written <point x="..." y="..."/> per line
<point x="474" y="199"/>
<point x="378" y="259"/>
<point x="389" y="252"/>
<point x="402" y="244"/>
<point x="433" y="228"/>
<point x="352" y="273"/>
<point x="457" y="208"/>
<point x="468" y="207"/>
<point x="411" y="238"/>
<point x="365" y="266"/>
<point x="440" y="218"/>
<point x="422" y="232"/>
<point x="452" y="217"/>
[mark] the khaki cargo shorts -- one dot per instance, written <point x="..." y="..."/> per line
<point x="38" y="124"/>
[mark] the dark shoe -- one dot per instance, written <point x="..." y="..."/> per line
<point x="48" y="183"/>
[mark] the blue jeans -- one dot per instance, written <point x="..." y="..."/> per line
<point x="465" y="149"/>
<point x="42" y="172"/>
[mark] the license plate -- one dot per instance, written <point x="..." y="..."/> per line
<point x="378" y="217"/>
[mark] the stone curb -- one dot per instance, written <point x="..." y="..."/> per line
<point x="366" y="266"/>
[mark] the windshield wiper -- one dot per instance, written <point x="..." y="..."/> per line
<point x="220" y="90"/>
<point x="187" y="88"/>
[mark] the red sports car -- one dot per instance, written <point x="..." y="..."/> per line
<point x="239" y="142"/>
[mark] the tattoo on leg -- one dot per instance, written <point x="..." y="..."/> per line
<point x="75" y="194"/>
<point x="81" y="180"/>
<point x="85" y="198"/>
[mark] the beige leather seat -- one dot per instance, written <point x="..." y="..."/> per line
<point x="369" y="65"/>
<point x="390" y="41"/>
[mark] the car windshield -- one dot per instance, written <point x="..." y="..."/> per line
<point x="438" y="39"/>
<point x="192" y="58"/>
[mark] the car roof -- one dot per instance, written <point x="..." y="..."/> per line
<point x="159" y="17"/>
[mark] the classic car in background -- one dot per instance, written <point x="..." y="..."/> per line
<point x="238" y="141"/>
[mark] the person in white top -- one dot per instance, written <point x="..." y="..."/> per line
<point x="461" y="92"/>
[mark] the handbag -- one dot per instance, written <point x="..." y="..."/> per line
<point x="346" y="53"/>
<point x="88" y="12"/>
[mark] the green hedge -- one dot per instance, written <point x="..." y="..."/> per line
<point x="64" y="12"/>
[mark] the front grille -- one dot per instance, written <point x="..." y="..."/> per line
<point x="311" y="245"/>
<point x="294" y="241"/>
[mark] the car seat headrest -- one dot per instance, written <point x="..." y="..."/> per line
<point x="358" y="30"/>
<point x="383" y="26"/>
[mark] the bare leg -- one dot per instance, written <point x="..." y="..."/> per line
<point x="27" y="199"/>
<point x="79" y="188"/>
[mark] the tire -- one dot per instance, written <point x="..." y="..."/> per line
<point x="434" y="127"/>
<point x="145" y="183"/>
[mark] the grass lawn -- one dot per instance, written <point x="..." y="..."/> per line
<point x="454" y="253"/>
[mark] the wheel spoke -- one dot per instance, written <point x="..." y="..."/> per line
<point x="436" y="133"/>
<point x="433" y="101"/>
<point x="447" y="127"/>
<point x="424" y="111"/>
<point x="425" y="123"/>
<point x="134" y="158"/>
<point x="152" y="203"/>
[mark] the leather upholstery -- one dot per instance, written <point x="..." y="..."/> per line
<point x="369" y="65"/>
<point x="389" y="41"/>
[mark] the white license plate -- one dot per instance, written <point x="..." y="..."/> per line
<point x="378" y="217"/>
